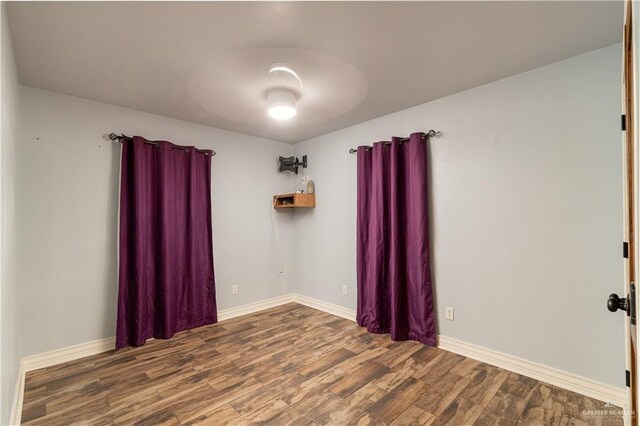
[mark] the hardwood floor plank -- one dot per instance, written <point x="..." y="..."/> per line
<point x="350" y="383"/>
<point x="393" y="404"/>
<point x="467" y="367"/>
<point x="304" y="412"/>
<point x="398" y="353"/>
<point x="33" y="411"/>
<point x="426" y="354"/>
<point x="327" y="361"/>
<point x="413" y="415"/>
<point x="335" y="411"/>
<point x="79" y="413"/>
<point x="312" y="386"/>
<point x="165" y="406"/>
<point x="262" y="413"/>
<point x="399" y="374"/>
<point x="440" y="366"/>
<point x="222" y="415"/>
<point x="442" y="393"/>
<point x="485" y="383"/>
<point x="461" y="411"/>
<point x="365" y="397"/>
<point x="570" y="421"/>
<point x="503" y="409"/>
<point x="519" y="386"/>
<point x="544" y="398"/>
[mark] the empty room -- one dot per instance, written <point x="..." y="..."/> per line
<point x="319" y="213"/>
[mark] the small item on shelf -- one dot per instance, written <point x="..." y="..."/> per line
<point x="310" y="187"/>
<point x="294" y="200"/>
<point x="299" y="191"/>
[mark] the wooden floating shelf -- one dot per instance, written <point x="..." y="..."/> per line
<point x="294" y="200"/>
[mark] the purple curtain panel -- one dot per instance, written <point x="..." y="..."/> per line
<point x="393" y="266"/>
<point x="166" y="279"/>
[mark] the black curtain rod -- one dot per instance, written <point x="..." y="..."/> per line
<point x="119" y="138"/>
<point x="430" y="134"/>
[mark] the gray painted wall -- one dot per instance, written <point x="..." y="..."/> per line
<point x="9" y="334"/>
<point x="68" y="216"/>
<point x="526" y="213"/>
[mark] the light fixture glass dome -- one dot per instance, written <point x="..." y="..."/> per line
<point x="282" y="104"/>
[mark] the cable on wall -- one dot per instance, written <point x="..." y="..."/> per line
<point x="299" y="181"/>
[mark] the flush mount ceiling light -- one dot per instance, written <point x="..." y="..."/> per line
<point x="282" y="104"/>
<point x="282" y="101"/>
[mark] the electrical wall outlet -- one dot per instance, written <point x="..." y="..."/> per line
<point x="345" y="290"/>
<point x="234" y="289"/>
<point x="448" y="313"/>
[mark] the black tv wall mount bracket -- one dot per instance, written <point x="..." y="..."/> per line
<point x="291" y="164"/>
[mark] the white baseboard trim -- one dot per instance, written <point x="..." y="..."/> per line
<point x="18" y="396"/>
<point x="553" y="376"/>
<point x="70" y="353"/>
<point x="329" y="308"/>
<point x="250" y="308"/>
<point x="565" y="380"/>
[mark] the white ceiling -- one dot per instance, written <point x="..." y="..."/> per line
<point x="144" y="55"/>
